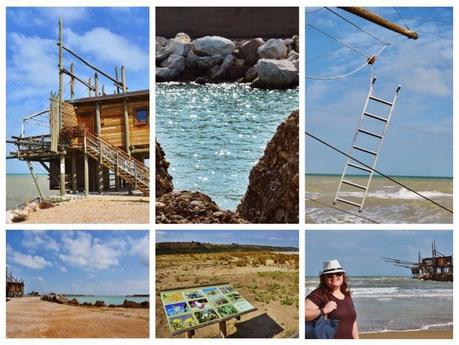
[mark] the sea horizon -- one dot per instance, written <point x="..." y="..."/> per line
<point x="379" y="176"/>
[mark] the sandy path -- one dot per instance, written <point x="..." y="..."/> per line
<point x="95" y="210"/>
<point x="29" y="317"/>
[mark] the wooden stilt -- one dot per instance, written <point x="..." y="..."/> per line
<point x="74" y="174"/>
<point x="86" y="168"/>
<point x="35" y="179"/>
<point x="190" y="333"/>
<point x="222" y="326"/>
<point x="62" y="175"/>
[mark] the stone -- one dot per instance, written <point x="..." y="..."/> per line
<point x="99" y="303"/>
<point x="296" y="43"/>
<point x="131" y="304"/>
<point x="272" y="195"/>
<point x="162" y="74"/>
<point x="193" y="207"/>
<point x="61" y="299"/>
<point x="175" y="63"/>
<point x="145" y="304"/>
<point x="162" y="54"/>
<point x="180" y="45"/>
<point x="212" y="45"/>
<point x="221" y="70"/>
<point x="274" y="48"/>
<point x="73" y="301"/>
<point x="275" y="74"/>
<point x="202" y="62"/>
<point x="251" y="74"/>
<point x="163" y="178"/>
<point x="161" y="42"/>
<point x="237" y="70"/>
<point x="248" y="51"/>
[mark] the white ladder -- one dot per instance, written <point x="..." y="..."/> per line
<point x="373" y="154"/>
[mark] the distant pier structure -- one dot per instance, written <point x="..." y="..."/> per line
<point x="14" y="286"/>
<point x="438" y="267"/>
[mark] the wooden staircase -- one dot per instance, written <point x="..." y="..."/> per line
<point x="134" y="172"/>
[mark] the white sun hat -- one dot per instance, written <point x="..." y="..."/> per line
<point x="332" y="266"/>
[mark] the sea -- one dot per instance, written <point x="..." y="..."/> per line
<point x="386" y="201"/>
<point x="21" y="188"/>
<point x="398" y="303"/>
<point x="214" y="134"/>
<point x="116" y="300"/>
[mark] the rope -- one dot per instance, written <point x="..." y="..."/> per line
<point x="357" y="26"/>
<point x="350" y="73"/>
<point x="403" y="20"/>
<point x="344" y="211"/>
<point x="376" y="171"/>
<point x="337" y="40"/>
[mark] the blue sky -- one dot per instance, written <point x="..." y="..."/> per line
<point x="360" y="252"/>
<point x="419" y="138"/>
<point x="106" y="37"/>
<point x="285" y="238"/>
<point x="82" y="262"/>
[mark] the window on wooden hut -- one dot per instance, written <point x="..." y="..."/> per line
<point x="141" y="116"/>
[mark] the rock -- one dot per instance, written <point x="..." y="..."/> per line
<point x="161" y="42"/>
<point x="275" y="74"/>
<point x="176" y="65"/>
<point x="202" y="62"/>
<point x="272" y="195"/>
<point x="162" y="74"/>
<point x="192" y="207"/>
<point x="296" y="43"/>
<point x="162" y="54"/>
<point x="74" y="301"/>
<point x="180" y="45"/>
<point x="220" y="72"/>
<point x="274" y="48"/>
<point x="112" y="306"/>
<point x="237" y="70"/>
<point x="163" y="179"/>
<point x="289" y="44"/>
<point x="248" y="51"/>
<point x="131" y="304"/>
<point x="212" y="45"/>
<point x="86" y="304"/>
<point x="145" y="304"/>
<point x="61" y="299"/>
<point x="251" y="74"/>
<point x="99" y="303"/>
<point x="294" y="58"/>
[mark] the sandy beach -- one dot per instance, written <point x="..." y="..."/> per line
<point x="269" y="284"/>
<point x="29" y="317"/>
<point x="95" y="209"/>
<point x="421" y="334"/>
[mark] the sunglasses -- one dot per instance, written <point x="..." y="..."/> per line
<point x="330" y="275"/>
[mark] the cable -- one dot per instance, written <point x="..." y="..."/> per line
<point x="344" y="211"/>
<point x="403" y="20"/>
<point x="376" y="171"/>
<point x="314" y="11"/>
<point x="337" y="40"/>
<point x="357" y="26"/>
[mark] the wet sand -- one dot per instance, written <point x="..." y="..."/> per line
<point x="29" y="317"/>
<point x="424" y="334"/>
<point x="94" y="210"/>
<point x="270" y="287"/>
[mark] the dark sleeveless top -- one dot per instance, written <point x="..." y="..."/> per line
<point x="345" y="312"/>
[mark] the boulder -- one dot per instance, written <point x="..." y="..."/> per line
<point x="145" y="304"/>
<point x="212" y="45"/>
<point x="131" y="304"/>
<point x="180" y="45"/>
<point x="192" y="207"/>
<point x="162" y="54"/>
<point x="274" y="48"/>
<point x="296" y="43"/>
<point x="272" y="195"/>
<point x="237" y="70"/>
<point x="160" y="42"/>
<point x="202" y="62"/>
<point x="248" y="51"/>
<point x="73" y="301"/>
<point x="61" y="299"/>
<point x="275" y="74"/>
<point x="99" y="303"/>
<point x="251" y="74"/>
<point x="220" y="71"/>
<point x="162" y="74"/>
<point x="112" y="306"/>
<point x="175" y="63"/>
<point x="163" y="179"/>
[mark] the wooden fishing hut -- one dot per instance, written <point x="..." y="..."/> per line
<point x="14" y="286"/>
<point x="95" y="144"/>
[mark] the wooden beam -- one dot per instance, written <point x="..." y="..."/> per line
<point x="87" y="84"/>
<point x="35" y="180"/>
<point x="62" y="175"/>
<point x="86" y="169"/>
<point x="123" y="79"/>
<point x="96" y="84"/>
<point x="74" y="174"/>
<point x="374" y="18"/>
<point x="72" y="81"/>
<point x="126" y="128"/>
<point x="61" y="75"/>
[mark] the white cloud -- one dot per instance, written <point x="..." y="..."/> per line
<point x="142" y="249"/>
<point x="36" y="239"/>
<point x="80" y="249"/>
<point x="108" y="47"/>
<point x="30" y="261"/>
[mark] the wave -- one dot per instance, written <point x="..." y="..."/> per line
<point x="401" y="194"/>
<point x="444" y="325"/>
<point x="395" y="292"/>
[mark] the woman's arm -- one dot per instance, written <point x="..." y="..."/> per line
<point x="355" y="331"/>
<point x="311" y="310"/>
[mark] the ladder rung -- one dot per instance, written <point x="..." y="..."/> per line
<point x="354" y="184"/>
<point x="359" y="167"/>
<point x="376" y="117"/>
<point x="380" y="100"/>
<point x="349" y="202"/>
<point x="365" y="150"/>
<point x="370" y="133"/>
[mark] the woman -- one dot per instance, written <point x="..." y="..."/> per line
<point x="333" y="300"/>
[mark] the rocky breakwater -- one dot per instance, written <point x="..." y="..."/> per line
<point x="62" y="299"/>
<point x="270" y="64"/>
<point x="272" y="195"/>
<point x="163" y="179"/>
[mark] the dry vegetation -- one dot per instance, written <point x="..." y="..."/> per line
<point x="268" y="280"/>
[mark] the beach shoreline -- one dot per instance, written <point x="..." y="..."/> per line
<point x="30" y="317"/>
<point x="410" y="334"/>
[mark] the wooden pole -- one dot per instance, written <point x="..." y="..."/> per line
<point x="374" y="18"/>
<point x="62" y="174"/>
<point x="74" y="174"/>
<point x="35" y="180"/>
<point x="89" y="88"/>
<point x="86" y="169"/>
<point x="222" y="327"/>
<point x="61" y="75"/>
<point x="72" y="81"/>
<point x="96" y="85"/>
<point x="103" y="89"/>
<point x="123" y="79"/>
<point x="126" y="128"/>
